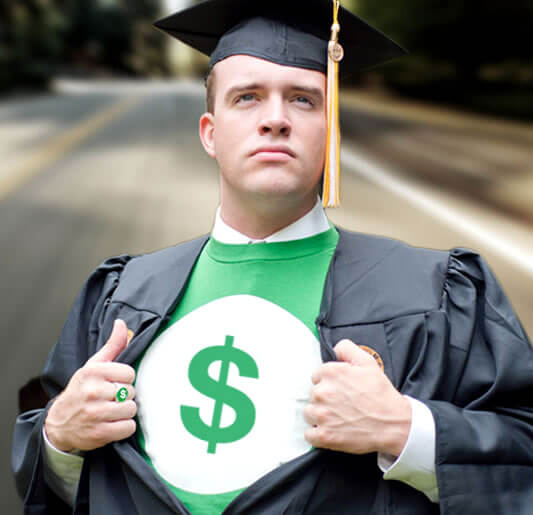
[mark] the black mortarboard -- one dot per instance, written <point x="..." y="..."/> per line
<point x="296" y="33"/>
<point x="300" y="38"/>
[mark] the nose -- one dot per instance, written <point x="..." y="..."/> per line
<point x="275" y="120"/>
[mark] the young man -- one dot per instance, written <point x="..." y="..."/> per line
<point x="316" y="371"/>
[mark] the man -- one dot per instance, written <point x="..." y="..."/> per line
<point x="316" y="371"/>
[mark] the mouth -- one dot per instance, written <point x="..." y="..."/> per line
<point x="274" y="152"/>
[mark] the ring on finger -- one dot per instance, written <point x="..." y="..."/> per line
<point x="121" y="393"/>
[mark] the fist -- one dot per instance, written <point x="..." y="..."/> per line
<point x="86" y="414"/>
<point x="354" y="407"/>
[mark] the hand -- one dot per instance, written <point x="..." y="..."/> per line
<point x="86" y="415"/>
<point x="354" y="407"/>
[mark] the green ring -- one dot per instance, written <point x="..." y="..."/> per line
<point x="122" y="394"/>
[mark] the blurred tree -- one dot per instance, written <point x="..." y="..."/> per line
<point x="457" y="48"/>
<point x="465" y="34"/>
<point x="115" y="36"/>
<point x="38" y="38"/>
<point x="149" y="46"/>
<point x="99" y="35"/>
<point x="31" y="42"/>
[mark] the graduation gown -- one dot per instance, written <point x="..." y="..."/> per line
<point x="443" y="327"/>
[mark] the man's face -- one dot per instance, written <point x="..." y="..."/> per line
<point x="268" y="129"/>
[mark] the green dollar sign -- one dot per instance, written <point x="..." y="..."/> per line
<point x="222" y="394"/>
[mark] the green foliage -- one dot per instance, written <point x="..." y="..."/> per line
<point x="457" y="48"/>
<point x="465" y="33"/>
<point x="31" y="42"/>
<point x="38" y="38"/>
<point x="99" y="35"/>
<point x="116" y="36"/>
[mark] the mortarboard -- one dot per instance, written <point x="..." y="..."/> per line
<point x="297" y="33"/>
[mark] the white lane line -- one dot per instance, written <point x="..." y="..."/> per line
<point x="435" y="208"/>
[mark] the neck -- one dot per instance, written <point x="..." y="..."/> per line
<point x="258" y="220"/>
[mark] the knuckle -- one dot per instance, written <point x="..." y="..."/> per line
<point x="329" y="370"/>
<point x="130" y="374"/>
<point x="321" y="415"/>
<point x="132" y="408"/>
<point x="90" y="411"/>
<point x="90" y="370"/>
<point x="321" y="393"/>
<point x="368" y="359"/>
<point x="345" y="341"/>
<point x="308" y="413"/>
<point x="100" y="435"/>
<point x="89" y="391"/>
<point x="83" y="373"/>
<point x="125" y="372"/>
<point x="325" y="370"/>
<point x="316" y="395"/>
<point x="343" y="344"/>
<point x="131" y="427"/>
<point x="326" y="437"/>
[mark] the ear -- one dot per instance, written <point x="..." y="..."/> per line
<point x="207" y="133"/>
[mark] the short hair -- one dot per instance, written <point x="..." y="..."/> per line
<point x="210" y="91"/>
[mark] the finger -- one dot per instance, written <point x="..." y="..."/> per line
<point x="110" y="390"/>
<point x="309" y="415"/>
<point x="348" y="352"/>
<point x="312" y="435"/>
<point x="114" y="372"/>
<point x="115" y="411"/>
<point x="316" y="377"/>
<point x="117" y="342"/>
<point x="118" y="430"/>
<point x="327" y="369"/>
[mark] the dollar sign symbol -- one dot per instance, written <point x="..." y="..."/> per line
<point x="222" y="394"/>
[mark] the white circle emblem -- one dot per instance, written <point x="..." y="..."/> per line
<point x="221" y="392"/>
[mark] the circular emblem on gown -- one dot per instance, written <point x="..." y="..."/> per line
<point x="221" y="393"/>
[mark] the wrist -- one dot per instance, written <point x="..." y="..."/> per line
<point x="396" y="432"/>
<point x="53" y="434"/>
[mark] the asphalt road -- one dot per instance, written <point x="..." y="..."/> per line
<point x="95" y="171"/>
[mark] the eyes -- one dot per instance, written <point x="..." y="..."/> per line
<point x="304" y="100"/>
<point x="248" y="98"/>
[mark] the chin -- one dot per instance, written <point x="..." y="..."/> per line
<point x="277" y="188"/>
<point x="275" y="180"/>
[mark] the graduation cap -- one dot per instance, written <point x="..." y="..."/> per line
<point x="299" y="33"/>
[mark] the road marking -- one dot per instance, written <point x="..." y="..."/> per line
<point x="34" y="162"/>
<point x="435" y="208"/>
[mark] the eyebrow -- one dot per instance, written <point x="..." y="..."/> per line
<point x="315" y="92"/>
<point x="241" y="87"/>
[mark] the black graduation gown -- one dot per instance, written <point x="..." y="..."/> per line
<point x="447" y="336"/>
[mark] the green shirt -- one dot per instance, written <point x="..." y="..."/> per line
<point x="221" y="389"/>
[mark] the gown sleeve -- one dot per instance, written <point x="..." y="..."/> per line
<point x="484" y="435"/>
<point x="76" y="344"/>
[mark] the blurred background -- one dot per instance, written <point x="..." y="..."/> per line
<point x="99" y="153"/>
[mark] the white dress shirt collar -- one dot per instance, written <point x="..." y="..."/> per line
<point x="308" y="225"/>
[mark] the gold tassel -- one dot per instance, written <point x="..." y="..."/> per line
<point x="331" y="191"/>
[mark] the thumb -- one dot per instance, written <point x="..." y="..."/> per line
<point x="348" y="352"/>
<point x="117" y="342"/>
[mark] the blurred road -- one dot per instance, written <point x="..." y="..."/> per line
<point x="98" y="170"/>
